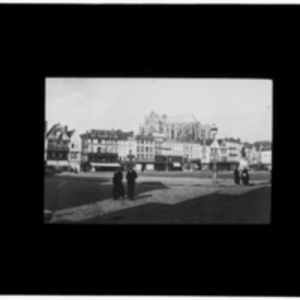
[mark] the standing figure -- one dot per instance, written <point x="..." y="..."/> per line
<point x="118" y="188"/>
<point x="245" y="177"/>
<point x="131" y="177"/>
<point x="236" y="175"/>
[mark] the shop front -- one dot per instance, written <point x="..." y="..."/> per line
<point x="145" y="165"/>
<point x="104" y="166"/>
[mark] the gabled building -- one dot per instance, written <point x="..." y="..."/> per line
<point x="266" y="156"/>
<point x="84" y="147"/>
<point x="234" y="147"/>
<point x="258" y="149"/>
<point x="223" y="153"/>
<point x="75" y="151"/>
<point x="58" y="139"/>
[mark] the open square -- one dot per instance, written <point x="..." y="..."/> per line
<point x="192" y="199"/>
<point x="158" y="151"/>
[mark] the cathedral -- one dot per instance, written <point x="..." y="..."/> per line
<point x="184" y="128"/>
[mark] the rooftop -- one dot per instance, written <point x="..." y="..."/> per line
<point x="262" y="144"/>
<point x="233" y="140"/>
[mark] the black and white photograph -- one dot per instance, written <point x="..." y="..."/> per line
<point x="157" y="151"/>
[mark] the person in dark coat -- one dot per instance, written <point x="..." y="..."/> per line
<point x="131" y="176"/>
<point x="236" y="175"/>
<point x="245" y="177"/>
<point x="118" y="188"/>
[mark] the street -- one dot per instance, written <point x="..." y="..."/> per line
<point x="161" y="198"/>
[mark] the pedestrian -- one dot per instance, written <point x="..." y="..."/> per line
<point x="245" y="177"/>
<point x="236" y="175"/>
<point x="131" y="176"/>
<point x="118" y="188"/>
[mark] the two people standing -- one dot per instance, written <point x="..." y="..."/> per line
<point x="244" y="176"/>
<point x="118" y="188"/>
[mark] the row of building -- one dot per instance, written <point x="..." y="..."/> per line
<point x="154" y="148"/>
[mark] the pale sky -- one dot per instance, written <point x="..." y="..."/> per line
<point x="240" y="108"/>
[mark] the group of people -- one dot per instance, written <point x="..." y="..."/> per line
<point x="244" y="176"/>
<point x="118" y="188"/>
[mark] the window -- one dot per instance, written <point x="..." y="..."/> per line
<point x="99" y="149"/>
<point x="73" y="155"/>
<point x="53" y="154"/>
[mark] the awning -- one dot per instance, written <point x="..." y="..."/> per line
<point x="63" y="163"/>
<point x="176" y="164"/>
<point x="105" y="165"/>
<point x="51" y="163"/>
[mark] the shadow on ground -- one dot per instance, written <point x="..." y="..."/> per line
<point x="253" y="207"/>
<point x="67" y="193"/>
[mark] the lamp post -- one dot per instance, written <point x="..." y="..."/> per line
<point x="214" y="131"/>
<point x="130" y="157"/>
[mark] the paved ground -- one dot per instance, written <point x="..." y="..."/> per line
<point x="86" y="199"/>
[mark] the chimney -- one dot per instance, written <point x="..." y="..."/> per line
<point x="66" y="128"/>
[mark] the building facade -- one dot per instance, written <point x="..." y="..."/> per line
<point x="266" y="157"/>
<point x="234" y="147"/>
<point x="105" y="148"/>
<point x="145" y="152"/>
<point x="253" y="156"/>
<point x="75" y="151"/>
<point x="58" y="139"/>
<point x="259" y="146"/>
